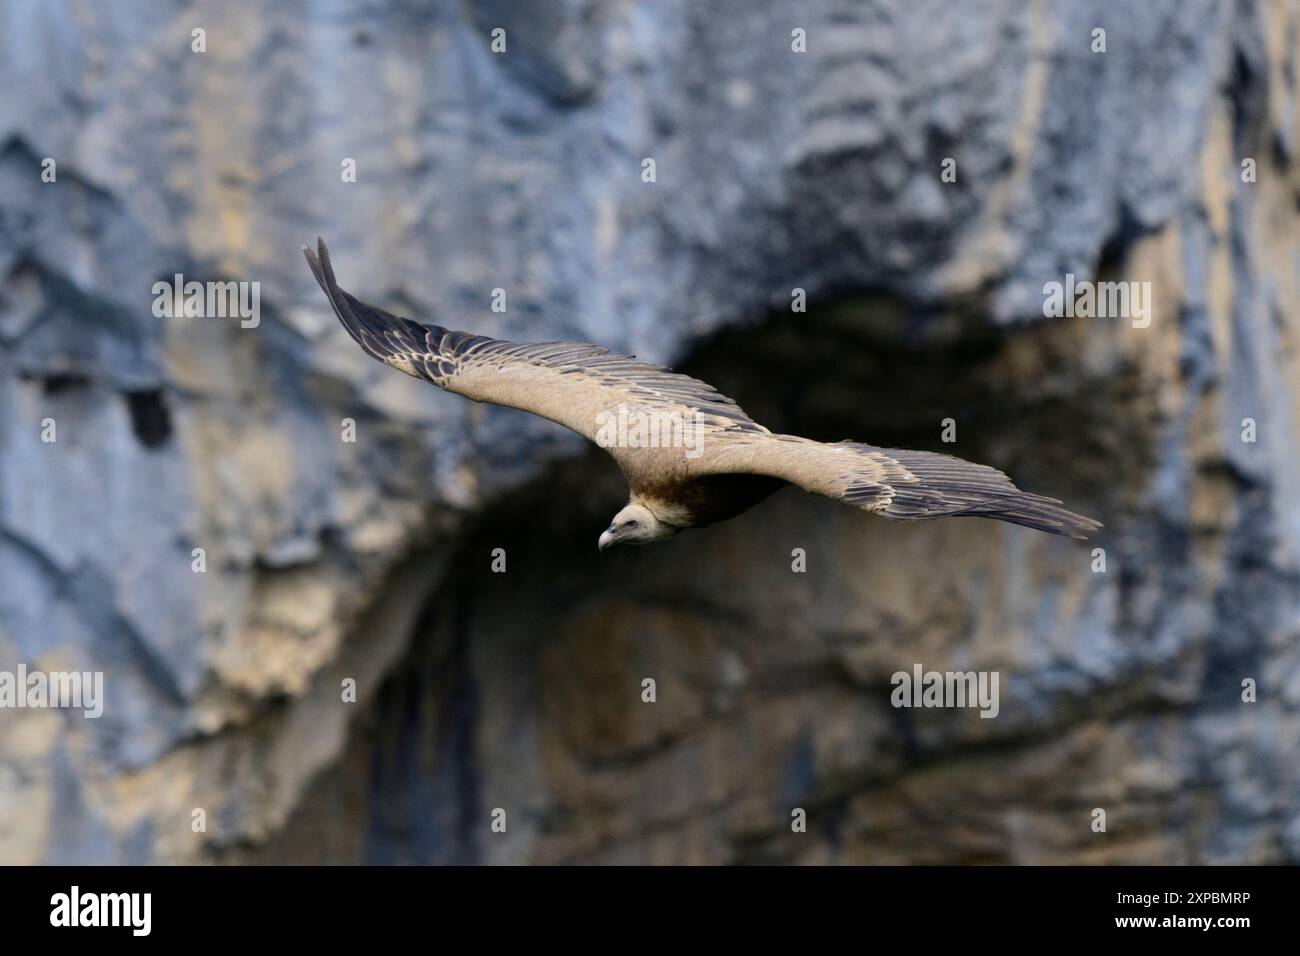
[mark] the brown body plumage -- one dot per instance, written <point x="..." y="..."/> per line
<point x="735" y="462"/>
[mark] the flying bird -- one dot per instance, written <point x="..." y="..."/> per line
<point x="711" y="461"/>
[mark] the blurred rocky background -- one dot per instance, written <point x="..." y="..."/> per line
<point x="775" y="170"/>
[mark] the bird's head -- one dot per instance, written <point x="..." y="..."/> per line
<point x="635" y="524"/>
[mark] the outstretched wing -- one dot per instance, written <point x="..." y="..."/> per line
<point x="572" y="383"/>
<point x="899" y="484"/>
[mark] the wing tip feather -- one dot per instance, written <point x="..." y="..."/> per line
<point x="935" y="484"/>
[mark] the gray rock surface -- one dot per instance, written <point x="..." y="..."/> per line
<point x="522" y="171"/>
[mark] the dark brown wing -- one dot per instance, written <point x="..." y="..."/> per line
<point x="899" y="484"/>
<point x="572" y="383"/>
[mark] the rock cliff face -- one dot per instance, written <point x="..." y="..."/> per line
<point x="774" y="170"/>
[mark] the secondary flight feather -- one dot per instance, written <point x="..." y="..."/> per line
<point x="723" y="463"/>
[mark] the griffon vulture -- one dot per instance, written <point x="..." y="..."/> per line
<point x="724" y="462"/>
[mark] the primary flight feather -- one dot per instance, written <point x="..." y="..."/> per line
<point x="722" y="463"/>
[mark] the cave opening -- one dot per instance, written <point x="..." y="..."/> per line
<point x="498" y="661"/>
<point x="150" y="420"/>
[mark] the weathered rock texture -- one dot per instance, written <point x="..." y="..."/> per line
<point x="327" y="560"/>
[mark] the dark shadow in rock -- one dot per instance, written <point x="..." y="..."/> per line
<point x="476" y="690"/>
<point x="150" y="420"/>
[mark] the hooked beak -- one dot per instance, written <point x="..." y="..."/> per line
<point x="607" y="539"/>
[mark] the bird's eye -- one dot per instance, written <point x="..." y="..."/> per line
<point x="629" y="523"/>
